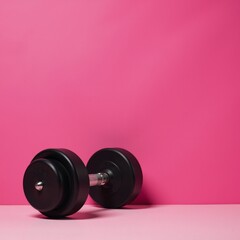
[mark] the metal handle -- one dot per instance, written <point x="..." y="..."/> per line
<point x="98" y="179"/>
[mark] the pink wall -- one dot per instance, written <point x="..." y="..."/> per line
<point x="160" y="78"/>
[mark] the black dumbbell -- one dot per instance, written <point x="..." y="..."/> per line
<point x="57" y="183"/>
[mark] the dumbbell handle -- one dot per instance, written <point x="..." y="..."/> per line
<point x="97" y="179"/>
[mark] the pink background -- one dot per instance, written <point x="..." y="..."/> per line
<point x="160" y="78"/>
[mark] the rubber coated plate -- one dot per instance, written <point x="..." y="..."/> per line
<point x="65" y="182"/>
<point x="125" y="177"/>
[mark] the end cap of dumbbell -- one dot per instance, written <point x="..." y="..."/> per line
<point x="56" y="183"/>
<point x="45" y="184"/>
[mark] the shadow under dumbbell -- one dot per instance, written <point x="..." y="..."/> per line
<point x="83" y="215"/>
<point x="136" y="207"/>
<point x="80" y="215"/>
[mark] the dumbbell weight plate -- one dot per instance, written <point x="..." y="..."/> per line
<point x="65" y="182"/>
<point x="125" y="177"/>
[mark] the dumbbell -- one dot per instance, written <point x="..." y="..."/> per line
<point x="57" y="182"/>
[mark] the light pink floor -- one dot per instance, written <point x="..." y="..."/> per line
<point x="205" y="222"/>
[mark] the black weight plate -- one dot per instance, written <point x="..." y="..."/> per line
<point x="52" y="174"/>
<point x="65" y="179"/>
<point x="125" y="177"/>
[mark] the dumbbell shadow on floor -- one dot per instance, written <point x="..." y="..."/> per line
<point x="57" y="183"/>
